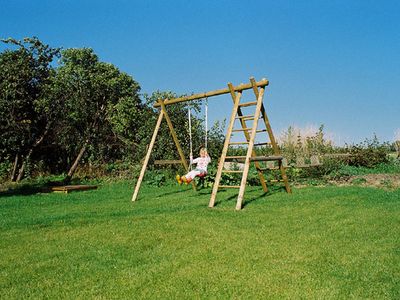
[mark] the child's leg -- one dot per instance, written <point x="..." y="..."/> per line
<point x="189" y="176"/>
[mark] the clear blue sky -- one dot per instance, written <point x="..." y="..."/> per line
<point x="335" y="63"/>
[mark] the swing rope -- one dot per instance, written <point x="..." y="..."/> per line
<point x="206" y="121"/>
<point x="190" y="138"/>
<point x="190" y="130"/>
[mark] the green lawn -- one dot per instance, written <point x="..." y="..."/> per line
<point x="324" y="243"/>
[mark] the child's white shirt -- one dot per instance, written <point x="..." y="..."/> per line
<point x="202" y="162"/>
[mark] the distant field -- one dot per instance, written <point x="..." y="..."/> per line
<point x="326" y="243"/>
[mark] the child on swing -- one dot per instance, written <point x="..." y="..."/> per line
<point x="201" y="168"/>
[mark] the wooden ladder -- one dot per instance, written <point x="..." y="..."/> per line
<point x="250" y="135"/>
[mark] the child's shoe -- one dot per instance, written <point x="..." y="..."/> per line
<point x="178" y="178"/>
<point x="183" y="178"/>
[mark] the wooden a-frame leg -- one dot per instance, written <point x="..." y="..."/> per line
<point x="175" y="138"/>
<point x="147" y="157"/>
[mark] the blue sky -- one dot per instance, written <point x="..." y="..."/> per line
<point x="335" y="63"/>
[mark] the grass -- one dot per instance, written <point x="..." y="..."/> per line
<point x="316" y="243"/>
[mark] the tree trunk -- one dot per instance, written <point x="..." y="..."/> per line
<point x="84" y="146"/>
<point x="14" y="171"/>
<point x="21" y="171"/>
<point x="28" y="156"/>
<point x="76" y="162"/>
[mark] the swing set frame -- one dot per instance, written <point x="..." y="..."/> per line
<point x="163" y="103"/>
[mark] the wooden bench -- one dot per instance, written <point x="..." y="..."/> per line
<point x="69" y="188"/>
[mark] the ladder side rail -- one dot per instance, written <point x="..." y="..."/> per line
<point x="224" y="150"/>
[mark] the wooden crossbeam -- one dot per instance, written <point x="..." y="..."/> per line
<point x="239" y="88"/>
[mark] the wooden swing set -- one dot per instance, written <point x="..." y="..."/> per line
<point x="249" y="134"/>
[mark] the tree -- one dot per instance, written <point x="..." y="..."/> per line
<point x="91" y="91"/>
<point x="24" y="123"/>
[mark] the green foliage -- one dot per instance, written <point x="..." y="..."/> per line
<point x="25" y="74"/>
<point x="369" y="153"/>
<point x="5" y="167"/>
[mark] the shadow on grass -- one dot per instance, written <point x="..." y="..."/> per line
<point x="23" y="189"/>
<point x="272" y="190"/>
<point x="31" y="188"/>
<point x="172" y="193"/>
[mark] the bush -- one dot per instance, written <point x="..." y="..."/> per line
<point x="369" y="153"/>
<point x="5" y="168"/>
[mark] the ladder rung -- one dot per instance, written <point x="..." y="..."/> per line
<point x="242" y="129"/>
<point x="238" y="143"/>
<point x="235" y="157"/>
<point x="262" y="144"/>
<point x="245" y="117"/>
<point x="229" y="186"/>
<point x="266" y="158"/>
<point x="276" y="180"/>
<point x="248" y="103"/>
<point x="246" y="129"/>
<point x="267" y="169"/>
<point x="232" y="171"/>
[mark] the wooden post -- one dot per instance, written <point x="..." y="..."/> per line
<point x="249" y="150"/>
<point x="225" y="149"/>
<point x="247" y="136"/>
<point x="175" y="138"/>
<point x="147" y="157"/>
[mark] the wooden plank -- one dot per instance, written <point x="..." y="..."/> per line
<point x="263" y="82"/>
<point x="229" y="186"/>
<point x="262" y="144"/>
<point x="235" y="157"/>
<point x="225" y="148"/>
<point x="238" y="143"/>
<point x="242" y="129"/>
<point x="266" y="158"/>
<point x="69" y="188"/>
<point x="232" y="171"/>
<point x="167" y="162"/>
<point x="176" y="141"/>
<point x="248" y="129"/>
<point x="245" y="104"/>
<point x="147" y="157"/>
<point x="248" y="117"/>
